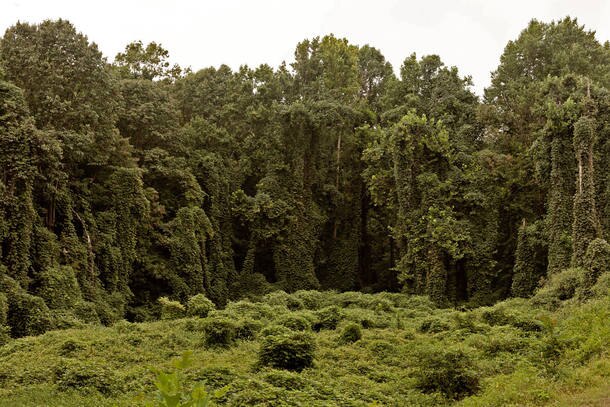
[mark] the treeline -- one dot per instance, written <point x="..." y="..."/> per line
<point x="122" y="183"/>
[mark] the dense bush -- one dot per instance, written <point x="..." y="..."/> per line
<point x="274" y="329"/>
<point x="290" y="351"/>
<point x="199" y="306"/>
<point x="328" y="318"/>
<point x="560" y="287"/>
<point x="87" y="376"/>
<point x="171" y="309"/>
<point x="247" y="329"/>
<point x="434" y="325"/>
<point x="285" y="379"/>
<point x="59" y="287"/>
<point x="86" y="312"/>
<point x="219" y="331"/>
<point x="28" y="315"/>
<point x="350" y="333"/>
<point x="602" y="287"/>
<point x="312" y="299"/>
<point x="295" y="322"/>
<point x="283" y="299"/>
<point x="253" y="310"/>
<point x="449" y="372"/>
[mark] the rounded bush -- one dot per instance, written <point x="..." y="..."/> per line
<point x="86" y="312"/>
<point x="275" y="330"/>
<point x="328" y="318"/>
<point x="219" y="331"/>
<point x="247" y="329"/>
<point x="199" y="306"/>
<point x="295" y="322"/>
<point x="292" y="351"/>
<point x="247" y="309"/>
<point x="448" y="372"/>
<point x="85" y="375"/>
<point x="350" y="333"/>
<point x="171" y="309"/>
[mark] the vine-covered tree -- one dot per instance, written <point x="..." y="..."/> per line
<point x="123" y="183"/>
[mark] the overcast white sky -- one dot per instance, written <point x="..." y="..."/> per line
<point x="470" y="34"/>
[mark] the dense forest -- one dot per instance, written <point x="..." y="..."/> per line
<point x="125" y="182"/>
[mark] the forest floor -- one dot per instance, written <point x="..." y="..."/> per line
<point x="409" y="353"/>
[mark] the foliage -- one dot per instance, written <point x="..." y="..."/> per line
<point x="171" y="309"/>
<point x="448" y="372"/>
<point x="219" y="332"/>
<point x="171" y="391"/>
<point x="350" y="333"/>
<point x="290" y="351"/>
<point x="198" y="305"/>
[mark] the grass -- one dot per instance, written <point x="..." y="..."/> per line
<point x="410" y="353"/>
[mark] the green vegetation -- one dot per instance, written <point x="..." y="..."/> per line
<point x="323" y="232"/>
<point x="412" y="353"/>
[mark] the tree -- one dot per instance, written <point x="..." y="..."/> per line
<point x="148" y="62"/>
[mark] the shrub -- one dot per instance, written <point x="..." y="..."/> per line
<point x="247" y="329"/>
<point x="65" y="319"/>
<point x="247" y="309"/>
<point x="126" y="327"/>
<point x="275" y="330"/>
<point x="28" y="315"/>
<point x="350" y="333"/>
<point x="110" y="308"/>
<point x="70" y="347"/>
<point x="295" y="322"/>
<point x="311" y="299"/>
<point x="602" y="287"/>
<point x="328" y="318"/>
<point x="292" y="351"/>
<point x="199" y="306"/>
<point x="560" y="287"/>
<point x="434" y="325"/>
<point x="285" y="379"/>
<point x="281" y="298"/>
<point x="495" y="316"/>
<point x="86" y="312"/>
<point x="59" y="287"/>
<point x="219" y="331"/>
<point x="171" y="309"/>
<point x="382" y="349"/>
<point x="448" y="372"/>
<point x="214" y="377"/>
<point x="80" y="375"/>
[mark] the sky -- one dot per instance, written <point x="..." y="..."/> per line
<point x="470" y="34"/>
